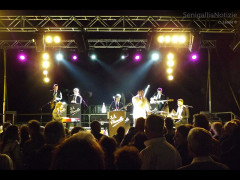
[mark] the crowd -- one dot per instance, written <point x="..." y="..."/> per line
<point x="154" y="143"/>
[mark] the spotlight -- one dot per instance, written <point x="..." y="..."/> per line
<point x="160" y="39"/>
<point x="167" y="39"/>
<point x="194" y="57"/>
<point x="48" y="39"/>
<point x="170" y="77"/>
<point x="59" y="56"/>
<point x="45" y="72"/>
<point x="45" y="64"/>
<point x="22" y="57"/>
<point x="124" y="54"/>
<point x="138" y="55"/>
<point x="57" y="39"/>
<point x="169" y="70"/>
<point x="155" y="56"/>
<point x="170" y="56"/>
<point x="170" y="63"/>
<point x="182" y="39"/>
<point x="74" y="57"/>
<point x="46" y="56"/>
<point x="92" y="54"/>
<point x="46" y="79"/>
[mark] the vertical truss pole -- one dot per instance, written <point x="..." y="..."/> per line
<point x="4" y="84"/>
<point x="209" y="84"/>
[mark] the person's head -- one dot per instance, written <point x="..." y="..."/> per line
<point x="140" y="92"/>
<point x="95" y="126"/>
<point x="117" y="97"/>
<point x="55" y="87"/>
<point x="34" y="128"/>
<point x="201" y="120"/>
<point x="169" y="123"/>
<point x="76" y="129"/>
<point x="216" y="128"/>
<point x="54" y="132"/>
<point x="180" y="102"/>
<point x="6" y="125"/>
<point x="121" y="130"/>
<point x="127" y="158"/>
<point x="24" y="134"/>
<point x="229" y="128"/>
<point x="154" y="126"/>
<point x="181" y="134"/>
<point x="108" y="144"/>
<point x="200" y="142"/>
<point x="78" y="152"/>
<point x="159" y="90"/>
<point x="139" y="124"/>
<point x="12" y="133"/>
<point x="76" y="91"/>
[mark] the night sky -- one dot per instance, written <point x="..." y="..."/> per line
<point x="26" y="92"/>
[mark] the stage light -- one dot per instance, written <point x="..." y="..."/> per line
<point x="137" y="57"/>
<point x="46" y="79"/>
<point x="45" y="72"/>
<point x="169" y="70"/>
<point x="170" y="77"/>
<point x="48" y="39"/>
<point x="124" y="53"/>
<point x="57" y="39"/>
<point x="170" y="63"/>
<point x="59" y="56"/>
<point x="93" y="56"/>
<point x="175" y="39"/>
<point x="170" y="56"/>
<point x="167" y="39"/>
<point x="182" y="39"/>
<point x="22" y="57"/>
<point x="155" y="56"/>
<point x="46" y="56"/>
<point x="45" y="64"/>
<point x="160" y="39"/>
<point x="194" y="57"/>
<point x="74" y="57"/>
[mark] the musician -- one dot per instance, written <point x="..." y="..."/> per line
<point x="57" y="112"/>
<point x="57" y="96"/>
<point x="141" y="106"/>
<point x="156" y="99"/>
<point x="76" y="98"/>
<point x="116" y="105"/>
<point x="182" y="112"/>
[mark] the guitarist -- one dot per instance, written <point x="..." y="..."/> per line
<point x="57" y="96"/>
<point x="116" y="105"/>
<point x="155" y="100"/>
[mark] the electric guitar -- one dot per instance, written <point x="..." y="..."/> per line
<point x="155" y="101"/>
<point x="129" y="104"/>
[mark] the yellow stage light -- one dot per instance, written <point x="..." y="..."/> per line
<point x="46" y="79"/>
<point x="48" y="39"/>
<point x="182" y="39"/>
<point x="167" y="39"/>
<point x="160" y="39"/>
<point x="45" y="64"/>
<point x="46" y="56"/>
<point x="169" y="70"/>
<point x="170" y="77"/>
<point x="45" y="72"/>
<point x="170" y="63"/>
<point x="170" y="56"/>
<point x="175" y="39"/>
<point x="57" y="39"/>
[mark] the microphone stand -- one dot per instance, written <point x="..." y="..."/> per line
<point x="41" y="110"/>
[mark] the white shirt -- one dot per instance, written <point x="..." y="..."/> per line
<point x="160" y="155"/>
<point x="140" y="107"/>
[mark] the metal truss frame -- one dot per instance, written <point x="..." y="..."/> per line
<point x="119" y="24"/>
<point x="95" y="43"/>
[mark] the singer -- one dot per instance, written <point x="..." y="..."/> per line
<point x="141" y="106"/>
<point x="75" y="98"/>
